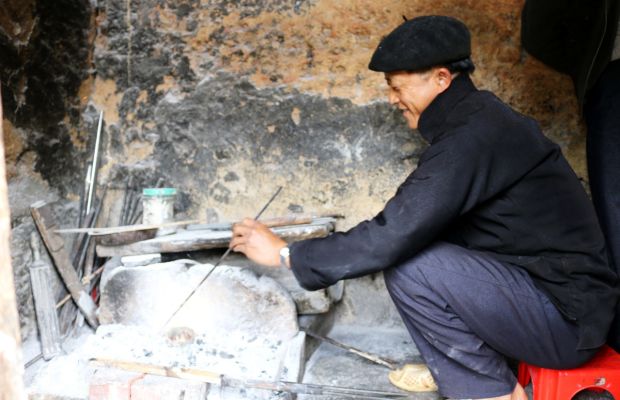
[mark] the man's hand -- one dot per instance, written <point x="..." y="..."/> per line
<point x="257" y="242"/>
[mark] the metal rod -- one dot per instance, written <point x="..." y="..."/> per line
<point x="221" y="259"/>
<point x="84" y="249"/>
<point x="94" y="170"/>
<point x="133" y="207"/>
<point x="84" y="198"/>
<point x="371" y="357"/>
<point x="312" y="388"/>
<point x="128" y="187"/>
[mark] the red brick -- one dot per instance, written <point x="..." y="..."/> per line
<point x="110" y="384"/>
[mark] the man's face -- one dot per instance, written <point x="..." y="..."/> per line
<point x="412" y="92"/>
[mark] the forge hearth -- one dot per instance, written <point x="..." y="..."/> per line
<point x="237" y="323"/>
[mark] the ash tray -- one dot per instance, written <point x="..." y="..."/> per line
<point x="121" y="238"/>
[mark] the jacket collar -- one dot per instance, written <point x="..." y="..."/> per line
<point x="436" y="113"/>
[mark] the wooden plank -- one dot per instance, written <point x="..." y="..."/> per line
<point x="11" y="367"/>
<point x="126" y="228"/>
<point x="55" y="244"/>
<point x="271" y="222"/>
<point x="207" y="239"/>
<point x="44" y="302"/>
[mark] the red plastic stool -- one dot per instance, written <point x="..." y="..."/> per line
<point x="600" y="373"/>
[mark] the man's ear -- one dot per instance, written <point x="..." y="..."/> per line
<point x="443" y="77"/>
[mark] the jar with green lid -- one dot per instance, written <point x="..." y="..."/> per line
<point x="158" y="205"/>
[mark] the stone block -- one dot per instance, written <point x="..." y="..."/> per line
<point x="230" y="300"/>
<point x="306" y="302"/>
<point x="236" y="323"/>
<point x="294" y="360"/>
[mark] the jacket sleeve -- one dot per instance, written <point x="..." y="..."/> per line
<point x="451" y="178"/>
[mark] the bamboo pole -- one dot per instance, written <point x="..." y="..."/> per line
<point x="11" y="367"/>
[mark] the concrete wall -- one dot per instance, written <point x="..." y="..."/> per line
<point x="226" y="100"/>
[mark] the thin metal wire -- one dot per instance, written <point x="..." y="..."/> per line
<point x="221" y="259"/>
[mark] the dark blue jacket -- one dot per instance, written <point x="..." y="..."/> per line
<point x="489" y="181"/>
<point x="575" y="37"/>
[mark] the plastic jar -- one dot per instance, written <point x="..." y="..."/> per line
<point x="158" y="205"/>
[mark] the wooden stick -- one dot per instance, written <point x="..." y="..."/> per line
<point x="203" y="240"/>
<point x="196" y="374"/>
<point x="44" y="221"/>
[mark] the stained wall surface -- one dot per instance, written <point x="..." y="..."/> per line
<point x="226" y="100"/>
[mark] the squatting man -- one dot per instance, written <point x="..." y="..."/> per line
<point x="490" y="249"/>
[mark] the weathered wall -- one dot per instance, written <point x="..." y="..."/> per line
<point x="225" y="100"/>
<point x="45" y="56"/>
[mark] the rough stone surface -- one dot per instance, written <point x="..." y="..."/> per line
<point x="254" y="94"/>
<point x="230" y="300"/>
<point x="45" y="49"/>
<point x="307" y="302"/>
<point x="367" y="303"/>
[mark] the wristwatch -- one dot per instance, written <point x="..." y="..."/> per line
<point x="285" y="252"/>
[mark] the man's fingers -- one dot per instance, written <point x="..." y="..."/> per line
<point x="237" y="241"/>
<point x="240" y="248"/>
<point x="249" y="221"/>
<point x="241" y="230"/>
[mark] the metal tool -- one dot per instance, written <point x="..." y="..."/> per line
<point x="93" y="177"/>
<point x="371" y="357"/>
<point x="221" y="258"/>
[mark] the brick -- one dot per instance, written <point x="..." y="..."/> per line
<point x="110" y="384"/>
<point x="164" y="388"/>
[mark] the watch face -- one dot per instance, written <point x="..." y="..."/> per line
<point x="284" y="251"/>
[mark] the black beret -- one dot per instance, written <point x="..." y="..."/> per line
<point x="421" y="43"/>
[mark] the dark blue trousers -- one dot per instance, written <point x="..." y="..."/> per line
<point x="467" y="312"/>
